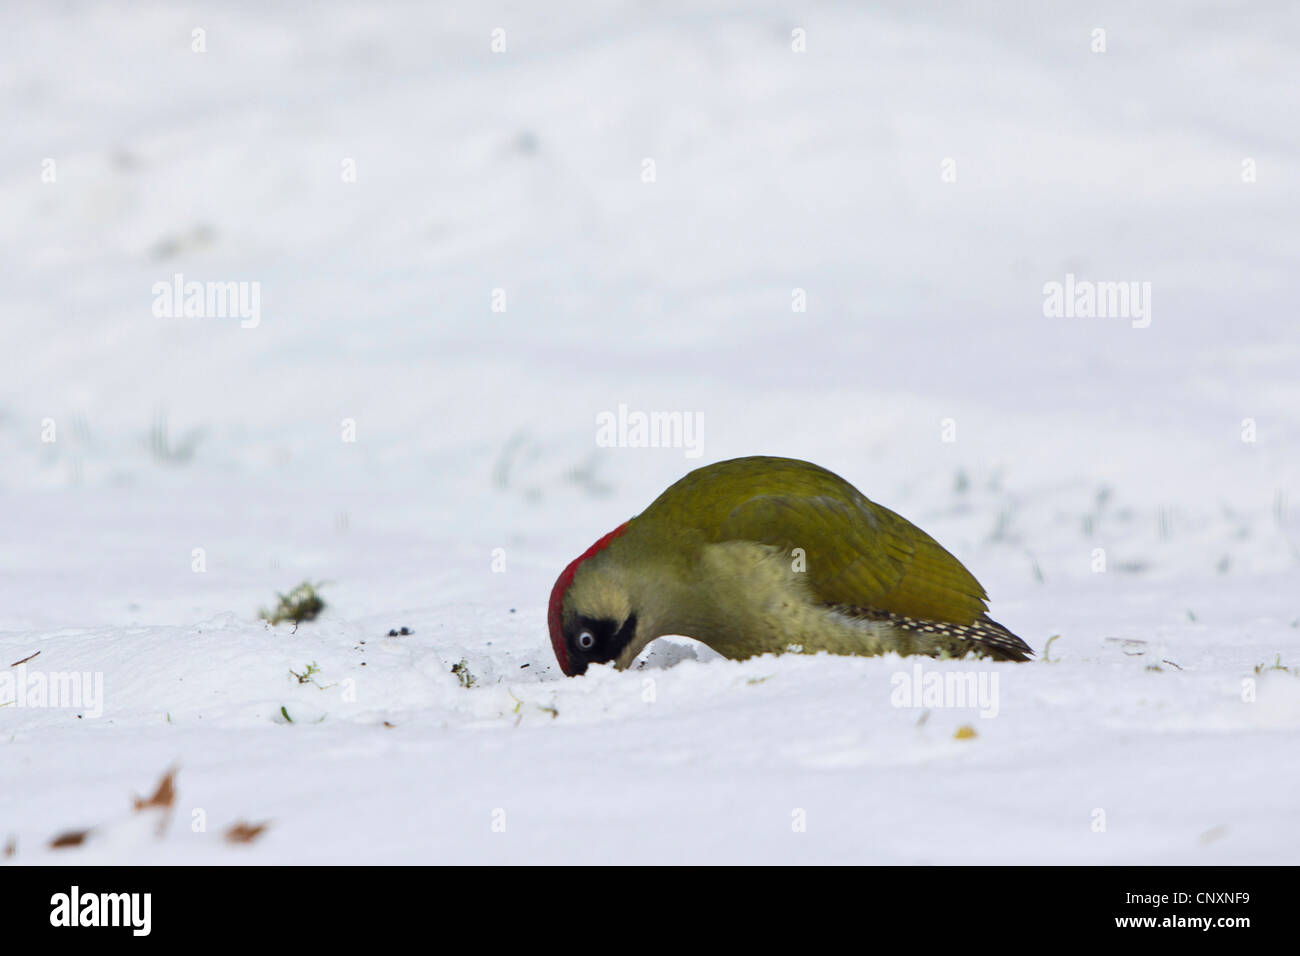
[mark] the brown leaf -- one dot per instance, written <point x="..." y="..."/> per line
<point x="242" y="832"/>
<point x="11" y="846"/>
<point x="70" y="838"/>
<point x="163" y="797"/>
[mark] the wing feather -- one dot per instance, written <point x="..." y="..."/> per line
<point x="859" y="553"/>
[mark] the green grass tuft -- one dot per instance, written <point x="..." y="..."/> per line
<point x="303" y="603"/>
<point x="461" y="670"/>
<point x="1277" y="665"/>
<point x="1047" y="659"/>
<point x="310" y="671"/>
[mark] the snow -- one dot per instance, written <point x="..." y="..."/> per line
<point x="1155" y="710"/>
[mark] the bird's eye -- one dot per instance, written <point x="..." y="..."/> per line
<point x="586" y="640"/>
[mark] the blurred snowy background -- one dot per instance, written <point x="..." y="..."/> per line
<point x="463" y="259"/>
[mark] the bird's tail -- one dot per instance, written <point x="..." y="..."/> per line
<point x="999" y="643"/>
<point x="983" y="638"/>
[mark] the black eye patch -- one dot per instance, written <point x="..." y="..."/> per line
<point x="608" y="638"/>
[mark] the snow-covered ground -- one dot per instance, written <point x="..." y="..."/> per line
<point x="920" y="175"/>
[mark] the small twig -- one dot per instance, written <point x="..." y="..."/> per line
<point x="24" y="660"/>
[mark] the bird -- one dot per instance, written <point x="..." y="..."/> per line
<point x="762" y="555"/>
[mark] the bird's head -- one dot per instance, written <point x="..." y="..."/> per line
<point x="591" y="617"/>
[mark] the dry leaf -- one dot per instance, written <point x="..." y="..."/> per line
<point x="11" y="845"/>
<point x="70" y="838"/>
<point x="964" y="732"/>
<point x="163" y="797"/>
<point x="242" y="832"/>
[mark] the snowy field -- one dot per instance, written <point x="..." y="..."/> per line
<point x="463" y="258"/>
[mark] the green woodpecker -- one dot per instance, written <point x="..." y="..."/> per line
<point x="758" y="555"/>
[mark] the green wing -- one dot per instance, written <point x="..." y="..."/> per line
<point x="857" y="553"/>
<point x="860" y="554"/>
